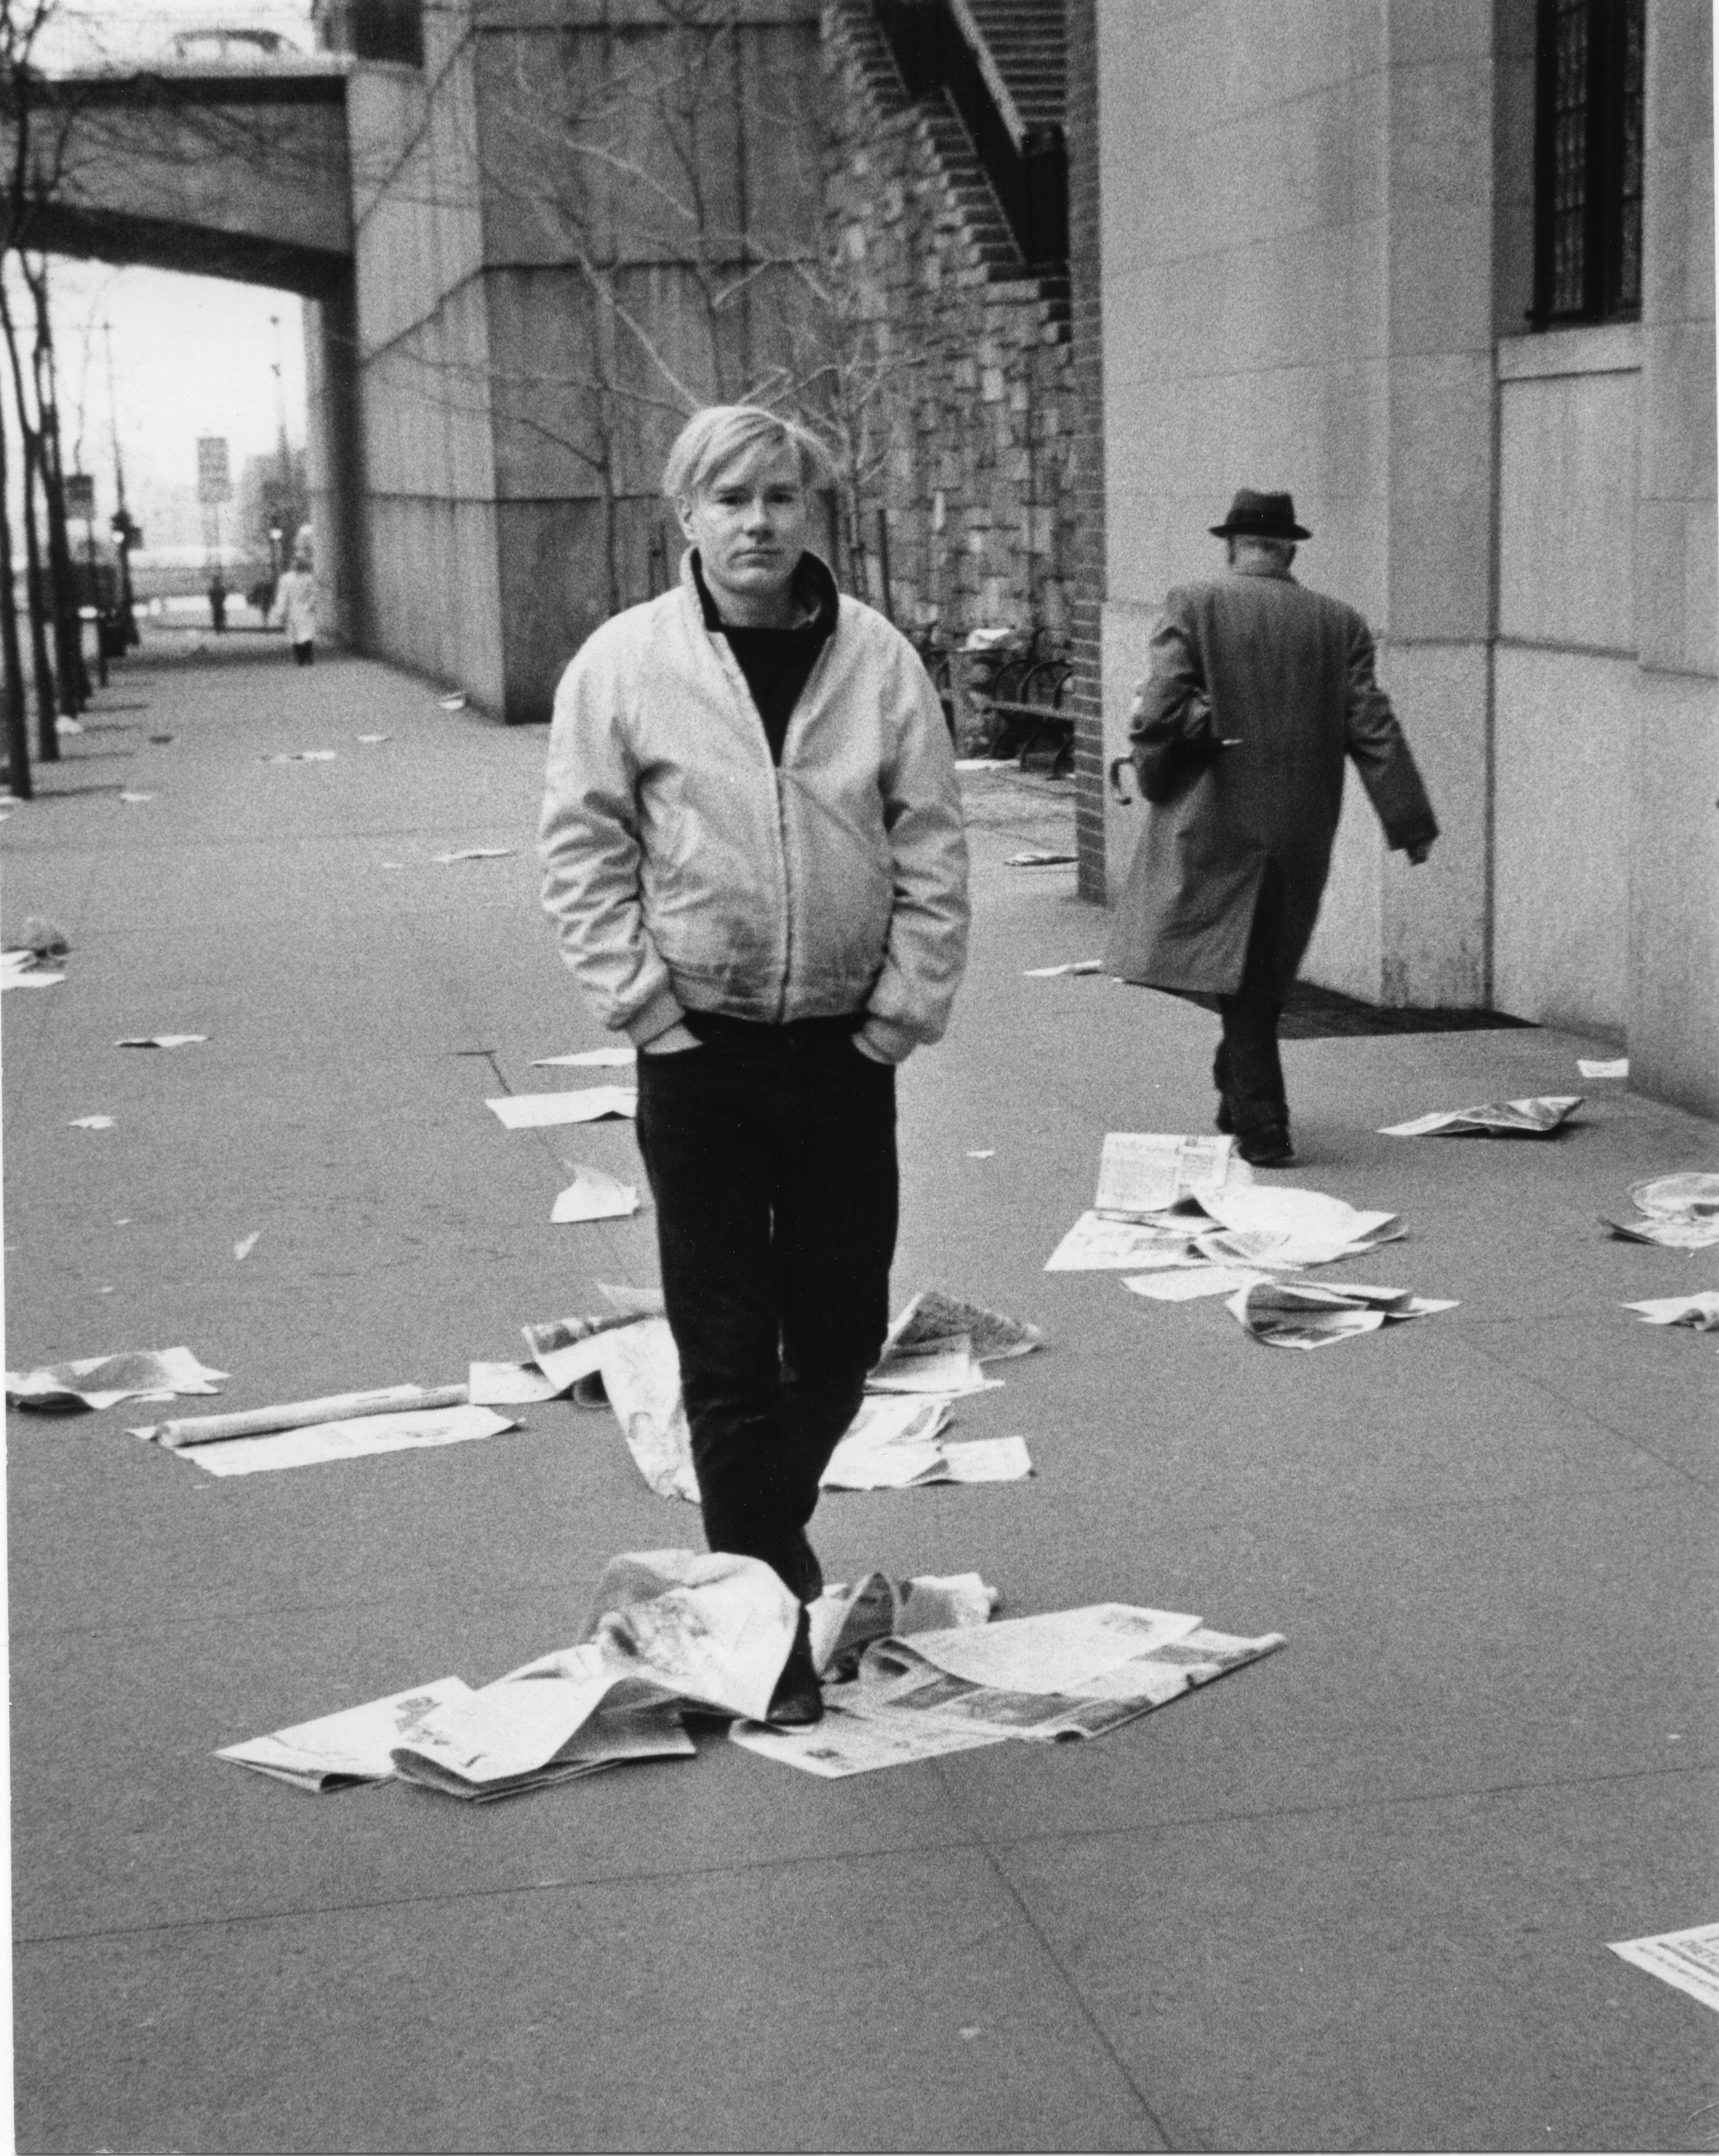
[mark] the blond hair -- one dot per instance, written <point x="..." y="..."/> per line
<point x="721" y="434"/>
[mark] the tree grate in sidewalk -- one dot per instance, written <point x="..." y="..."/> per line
<point x="1313" y="1013"/>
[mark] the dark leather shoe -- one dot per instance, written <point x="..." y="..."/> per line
<point x="1270" y="1147"/>
<point x="797" y="1700"/>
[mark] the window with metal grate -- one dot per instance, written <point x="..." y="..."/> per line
<point x="1588" y="179"/>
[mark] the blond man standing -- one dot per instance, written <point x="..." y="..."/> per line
<point x="753" y="851"/>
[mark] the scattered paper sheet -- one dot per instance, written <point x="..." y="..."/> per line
<point x="161" y="1040"/>
<point x="629" y="1302"/>
<point x="317" y="1443"/>
<point x="1142" y="1172"/>
<point x="1097" y="1245"/>
<point x="1056" y="972"/>
<point x="589" y="1059"/>
<point x="1618" y="1068"/>
<point x="935" y="1319"/>
<point x="910" y="1467"/>
<point x="521" y="1735"/>
<point x="372" y="738"/>
<point x="1682" y="1212"/>
<point x="90" y="1123"/>
<point x="1032" y="860"/>
<point x="536" y="1111"/>
<point x="565" y="1349"/>
<point x="951" y="1371"/>
<point x="593" y="1195"/>
<point x="21" y="969"/>
<point x="987" y="1152"/>
<point x="1537" y="1118"/>
<point x="132" y="800"/>
<point x="1688" y="1959"/>
<point x="243" y="1249"/>
<point x="843" y="1621"/>
<point x="476" y="854"/>
<point x="102" y="1381"/>
<point x="1700" y="1311"/>
<point x="456" y="702"/>
<point x="346" y="1750"/>
<point x="851" y="1740"/>
<point x="304" y="756"/>
<point x="641" y="1374"/>
<point x="508" y="1385"/>
<point x="1284" y="1229"/>
<point x="1185" y="1286"/>
<point x="1074" y="1673"/>
<point x="1289" y="1314"/>
<point x="300" y="1414"/>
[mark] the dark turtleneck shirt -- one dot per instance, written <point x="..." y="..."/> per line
<point x="777" y="663"/>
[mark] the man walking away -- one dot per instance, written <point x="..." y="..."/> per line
<point x="754" y="854"/>
<point x="1258" y="689"/>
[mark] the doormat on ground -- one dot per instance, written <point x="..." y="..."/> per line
<point x="1313" y="1013"/>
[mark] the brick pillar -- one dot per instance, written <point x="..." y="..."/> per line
<point x="1084" y="694"/>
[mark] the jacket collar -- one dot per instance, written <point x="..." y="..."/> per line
<point x="814" y="590"/>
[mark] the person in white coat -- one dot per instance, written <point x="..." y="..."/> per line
<point x="295" y="609"/>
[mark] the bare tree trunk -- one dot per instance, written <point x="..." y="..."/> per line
<point x="47" y="702"/>
<point x="68" y="629"/>
<point x="12" y="670"/>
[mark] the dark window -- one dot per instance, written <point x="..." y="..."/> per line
<point x="1587" y="158"/>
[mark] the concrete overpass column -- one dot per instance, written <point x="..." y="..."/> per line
<point x="334" y="454"/>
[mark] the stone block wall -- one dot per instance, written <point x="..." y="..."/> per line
<point x="958" y="390"/>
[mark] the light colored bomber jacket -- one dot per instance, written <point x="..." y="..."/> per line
<point x="688" y="872"/>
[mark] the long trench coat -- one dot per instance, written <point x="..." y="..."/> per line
<point x="1286" y="675"/>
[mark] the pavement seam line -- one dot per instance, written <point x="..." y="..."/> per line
<point x="1585" y="1413"/>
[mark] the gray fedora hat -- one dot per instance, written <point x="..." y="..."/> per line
<point x="1260" y="517"/>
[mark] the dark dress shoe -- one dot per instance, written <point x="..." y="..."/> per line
<point x="1267" y="1148"/>
<point x="797" y="1700"/>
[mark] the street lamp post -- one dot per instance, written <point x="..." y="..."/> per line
<point x="124" y="530"/>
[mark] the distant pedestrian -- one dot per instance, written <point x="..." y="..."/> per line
<point x="753" y="844"/>
<point x="1258" y="689"/>
<point x="295" y="604"/>
<point x="217" y="603"/>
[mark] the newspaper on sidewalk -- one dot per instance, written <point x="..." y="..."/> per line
<point x="508" y="1385"/>
<point x="1612" y="1067"/>
<point x="1189" y="1284"/>
<point x="1699" y="1311"/>
<point x="1074" y="1673"/>
<point x="103" y="1381"/>
<point x="1096" y="1244"/>
<point x="935" y="1318"/>
<point x="346" y="1750"/>
<point x="1537" y="1118"/>
<point x="1295" y="1314"/>
<point x="1058" y="972"/>
<point x="300" y="1414"/>
<point x="23" y="969"/>
<point x="950" y="1370"/>
<point x="1284" y="1229"/>
<point x="670" y="1629"/>
<point x="916" y="1466"/>
<point x="316" y="1444"/>
<point x="161" y="1040"/>
<point x="537" y="1111"/>
<point x="1143" y="1174"/>
<point x="1679" y="1212"/>
<point x="565" y="1350"/>
<point x="1689" y="1959"/>
<point x="641" y="1374"/>
<point x="593" y="1195"/>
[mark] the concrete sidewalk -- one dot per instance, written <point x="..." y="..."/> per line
<point x="1357" y="1896"/>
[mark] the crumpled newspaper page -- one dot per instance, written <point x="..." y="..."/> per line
<point x="1291" y="1314"/>
<point x="934" y="1318"/>
<point x="594" y="1195"/>
<point x="1680" y="1212"/>
<point x="1536" y="1117"/>
<point x="1284" y="1229"/>
<point x="1689" y="1959"/>
<point x="102" y="1381"/>
<point x="298" y="1414"/>
<point x="1188" y="1285"/>
<point x="1701" y="1312"/>
<point x="343" y="1751"/>
<point x="641" y="1374"/>
<point x="1095" y="1244"/>
<point x="949" y="1369"/>
<point x="710" y="1628"/>
<point x="1074" y="1673"/>
<point x="1143" y="1172"/>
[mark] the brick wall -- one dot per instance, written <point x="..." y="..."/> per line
<point x="1085" y="468"/>
<point x="960" y="386"/>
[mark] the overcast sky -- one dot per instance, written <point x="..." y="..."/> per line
<point x="192" y="355"/>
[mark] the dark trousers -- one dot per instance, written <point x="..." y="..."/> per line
<point x="771" y="1153"/>
<point x="1247" y="1070"/>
